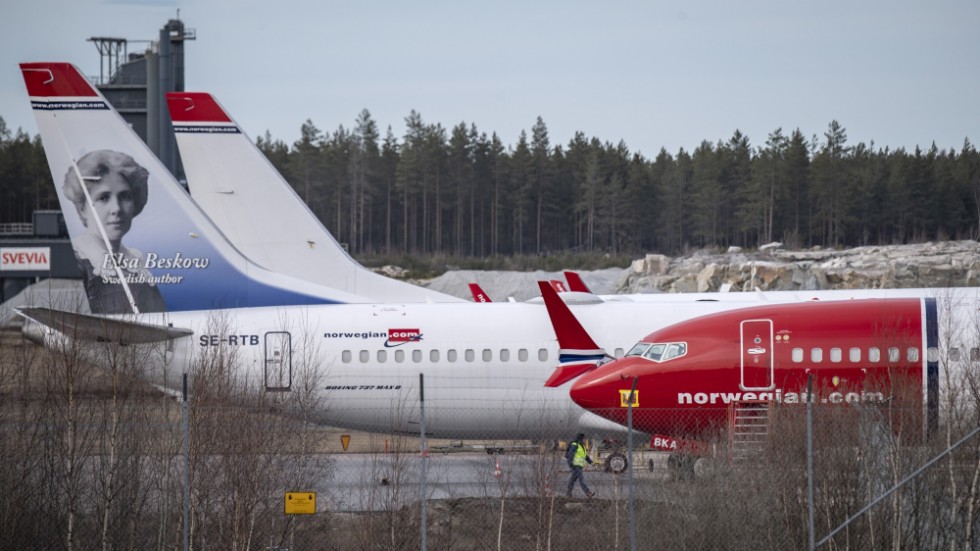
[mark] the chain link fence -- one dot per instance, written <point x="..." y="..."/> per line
<point x="95" y="459"/>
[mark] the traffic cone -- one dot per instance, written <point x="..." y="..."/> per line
<point x="496" y="469"/>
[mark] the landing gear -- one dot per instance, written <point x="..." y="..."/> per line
<point x="684" y="466"/>
<point x="616" y="463"/>
<point x="680" y="466"/>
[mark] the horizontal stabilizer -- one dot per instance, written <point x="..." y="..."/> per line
<point x="95" y="328"/>
<point x="566" y="373"/>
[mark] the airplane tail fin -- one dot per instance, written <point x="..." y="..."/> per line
<point x="235" y="184"/>
<point x="479" y="295"/>
<point x="141" y="242"/>
<point x="575" y="283"/>
<point x="558" y="286"/>
<point x="578" y="353"/>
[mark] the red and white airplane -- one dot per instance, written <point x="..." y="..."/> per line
<point x="690" y="374"/>
<point x="161" y="274"/>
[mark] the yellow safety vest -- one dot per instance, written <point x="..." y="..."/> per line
<point x="579" y="460"/>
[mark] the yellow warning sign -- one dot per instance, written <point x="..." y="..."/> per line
<point x="300" y="503"/>
<point x="345" y="441"/>
<point x="624" y="398"/>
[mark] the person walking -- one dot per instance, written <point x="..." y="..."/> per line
<point x="577" y="458"/>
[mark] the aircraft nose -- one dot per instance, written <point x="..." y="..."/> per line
<point x="599" y="389"/>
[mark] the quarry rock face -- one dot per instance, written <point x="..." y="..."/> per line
<point x="772" y="268"/>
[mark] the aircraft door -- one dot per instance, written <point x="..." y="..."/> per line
<point x="278" y="361"/>
<point x="757" y="355"/>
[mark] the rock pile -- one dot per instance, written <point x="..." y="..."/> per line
<point x="945" y="264"/>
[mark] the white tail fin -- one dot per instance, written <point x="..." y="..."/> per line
<point x="237" y="187"/>
<point x="141" y="242"/>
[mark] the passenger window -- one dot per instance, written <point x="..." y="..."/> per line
<point x="346" y="356"/>
<point x="797" y="355"/>
<point x="974" y="354"/>
<point x="470" y="355"/>
<point x="522" y="354"/>
<point x="893" y="354"/>
<point x="816" y="355"/>
<point x="416" y="356"/>
<point x="854" y="355"/>
<point x="382" y="356"/>
<point x="932" y="354"/>
<point x="618" y="353"/>
<point x="835" y="355"/>
<point x="542" y="355"/>
<point x="433" y="356"/>
<point x="874" y="355"/>
<point x="399" y="356"/>
<point x="451" y="355"/>
<point x="487" y="355"/>
<point x="504" y="355"/>
<point x="954" y="354"/>
<point x="365" y="356"/>
<point x="912" y="354"/>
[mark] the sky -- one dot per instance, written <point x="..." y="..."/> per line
<point x="654" y="75"/>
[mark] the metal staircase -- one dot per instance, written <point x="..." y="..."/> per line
<point x="748" y="424"/>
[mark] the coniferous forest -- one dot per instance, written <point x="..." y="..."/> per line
<point x="461" y="192"/>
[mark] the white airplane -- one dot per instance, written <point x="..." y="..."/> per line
<point x="258" y="211"/>
<point x="159" y="273"/>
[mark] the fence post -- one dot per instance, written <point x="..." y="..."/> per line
<point x="811" y="536"/>
<point x="629" y="462"/>
<point x="186" y="429"/>
<point x="423" y="452"/>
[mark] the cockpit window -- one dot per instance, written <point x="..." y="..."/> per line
<point x="655" y="352"/>
<point x="659" y="351"/>
<point x="674" y="350"/>
<point x="638" y="349"/>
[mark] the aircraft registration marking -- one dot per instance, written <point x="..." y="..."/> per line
<point x="231" y="340"/>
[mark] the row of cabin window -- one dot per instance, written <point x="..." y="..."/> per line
<point x="954" y="354"/>
<point x="874" y="354"/>
<point x="469" y="355"/>
<point x="854" y="355"/>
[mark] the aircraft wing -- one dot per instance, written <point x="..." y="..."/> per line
<point x="97" y="328"/>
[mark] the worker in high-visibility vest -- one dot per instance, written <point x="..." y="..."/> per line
<point x="577" y="457"/>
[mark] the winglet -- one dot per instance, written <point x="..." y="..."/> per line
<point x="577" y="353"/>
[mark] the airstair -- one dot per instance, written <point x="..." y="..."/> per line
<point x="748" y="428"/>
